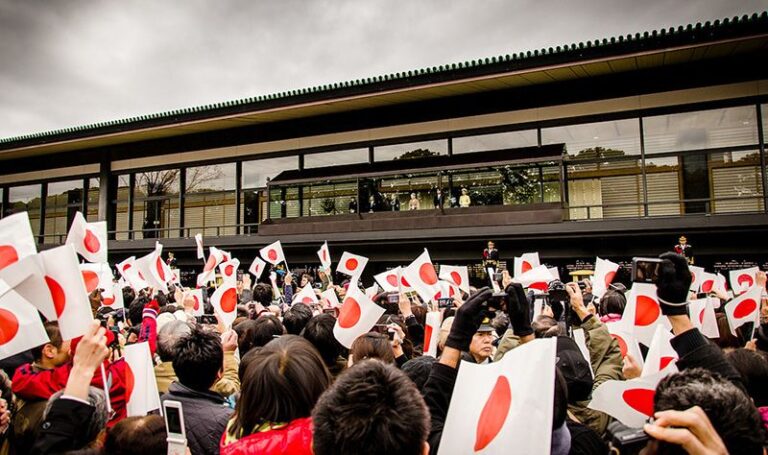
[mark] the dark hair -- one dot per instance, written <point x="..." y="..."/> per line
<point x="244" y="335"/>
<point x="161" y="298"/>
<point x="730" y="410"/>
<point x="135" y="310"/>
<point x="319" y="332"/>
<point x="54" y="337"/>
<point x="753" y="368"/>
<point x="128" y="294"/>
<point x="245" y="360"/>
<point x="265" y="329"/>
<point x="144" y="435"/>
<point x="199" y="358"/>
<point x="418" y="370"/>
<point x="372" y="405"/>
<point x="545" y="327"/>
<point x="726" y="338"/>
<point x="372" y="345"/>
<point x="296" y="318"/>
<point x="613" y="302"/>
<point x="262" y="293"/>
<point x="282" y="383"/>
<point x="561" y="400"/>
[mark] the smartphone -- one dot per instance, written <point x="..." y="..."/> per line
<point x="645" y="270"/>
<point x="206" y="319"/>
<point x="445" y="303"/>
<point x="330" y="311"/>
<point x="393" y="297"/>
<point x="239" y="275"/>
<point x="174" y="426"/>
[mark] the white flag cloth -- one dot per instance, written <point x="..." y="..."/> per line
<point x="605" y="272"/>
<point x="306" y="295"/>
<point x="329" y="299"/>
<point x="273" y="253"/>
<point x="631" y="402"/>
<point x="643" y="312"/>
<point x="389" y="280"/>
<point x="495" y="409"/>
<point x="27" y="278"/>
<point x="132" y="274"/>
<point x="555" y="272"/>
<point x="351" y="264"/>
<point x="215" y="257"/>
<point x="525" y="263"/>
<point x="65" y="283"/>
<point x="581" y="342"/>
<point x="152" y="268"/>
<point x="324" y="254"/>
<point x="697" y="274"/>
<point x="198" y="309"/>
<point x="702" y="314"/>
<point x="141" y="395"/>
<point x="372" y="291"/>
<point x="661" y="356"/>
<point x="432" y="333"/>
<point x="744" y="308"/>
<point x="20" y="326"/>
<point x="456" y="275"/>
<point x="115" y="301"/>
<point x="720" y="284"/>
<point x="224" y="301"/>
<point x="16" y="239"/>
<point x="742" y="280"/>
<point x="420" y="275"/>
<point x="357" y="316"/>
<point x="447" y="290"/>
<point x="537" y="278"/>
<point x="708" y="281"/>
<point x="88" y="239"/>
<point x="627" y="342"/>
<point x="97" y="276"/>
<point x="228" y="270"/>
<point x="199" y="244"/>
<point x="257" y="267"/>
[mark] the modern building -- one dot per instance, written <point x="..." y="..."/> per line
<point x="612" y="147"/>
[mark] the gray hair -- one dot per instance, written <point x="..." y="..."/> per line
<point x="168" y="336"/>
<point x="98" y="421"/>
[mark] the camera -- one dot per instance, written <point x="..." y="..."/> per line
<point x="557" y="293"/>
<point x="393" y="297"/>
<point x="625" y="440"/>
<point x="646" y="270"/>
<point x="445" y="303"/>
<point x="207" y="319"/>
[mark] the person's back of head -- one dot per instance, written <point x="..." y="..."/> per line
<point x="262" y="293"/>
<point x="729" y="409"/>
<point x="753" y="368"/>
<point x="319" y="332"/>
<point x="282" y="382"/>
<point x="372" y="345"/>
<point x="613" y="302"/>
<point x="244" y="330"/>
<point x="265" y="329"/>
<point x="373" y="408"/>
<point x="296" y="318"/>
<point x="98" y="420"/>
<point x="135" y="310"/>
<point x="55" y="352"/>
<point x="418" y="370"/>
<point x="167" y="337"/>
<point x="545" y="327"/>
<point x="199" y="359"/>
<point x="137" y="436"/>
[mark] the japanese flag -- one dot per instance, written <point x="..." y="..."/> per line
<point x="661" y="356"/>
<point x="352" y="265"/>
<point x="324" y="254"/>
<point x="273" y="253"/>
<point x="743" y="279"/>
<point x="697" y="274"/>
<point x="152" y="268"/>
<point x="329" y="299"/>
<point x="257" y="267"/>
<point x="605" y="272"/>
<point x="306" y="296"/>
<point x="88" y="239"/>
<point x="702" y="314"/>
<point x="495" y="408"/>
<point x="97" y="276"/>
<point x="458" y="276"/>
<point x="526" y="263"/>
<point x="372" y="291"/>
<point x="432" y="333"/>
<point x="141" y="395"/>
<point x="16" y="239"/>
<point x="626" y="340"/>
<point x="228" y="270"/>
<point x="20" y="325"/>
<point x="65" y="283"/>
<point x="196" y="295"/>
<point x="643" y="312"/>
<point x="708" y="282"/>
<point x="115" y="301"/>
<point x="215" y="257"/>
<point x="447" y="290"/>
<point x="131" y="273"/>
<point x="27" y="278"/>
<point x="389" y="280"/>
<point x="720" y="284"/>
<point x="744" y="308"/>
<point x="630" y="402"/>
<point x="421" y="276"/>
<point x="537" y="279"/>
<point x="357" y="316"/>
<point x="199" y="244"/>
<point x="224" y="301"/>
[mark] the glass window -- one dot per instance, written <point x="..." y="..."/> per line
<point x="26" y="198"/>
<point x="64" y="200"/>
<point x="257" y="173"/>
<point x="609" y="139"/>
<point x="284" y="202"/>
<point x="736" y="184"/>
<point x="209" y="201"/>
<point x="156" y="204"/>
<point x="93" y="200"/>
<point x="340" y="157"/>
<point x="764" y="114"/>
<point x="402" y="192"/>
<point x="607" y="189"/>
<point x="497" y="141"/>
<point x="410" y="150"/>
<point x="329" y="198"/>
<point x="726" y="127"/>
<point x="121" y="207"/>
<point x="664" y="186"/>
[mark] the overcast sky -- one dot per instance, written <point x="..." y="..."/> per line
<point x="74" y="62"/>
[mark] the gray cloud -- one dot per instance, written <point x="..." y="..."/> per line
<point x="77" y="62"/>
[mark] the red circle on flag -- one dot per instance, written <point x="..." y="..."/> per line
<point x="108" y="301"/>
<point x="307" y="300"/>
<point x="159" y="267"/>
<point x="641" y="400"/>
<point x="456" y="277"/>
<point x="744" y="308"/>
<point x="494" y="413"/>
<point x="8" y="256"/>
<point x="325" y="255"/>
<point x="130" y="382"/>
<point x="404" y="282"/>
<point x="707" y="286"/>
<point x="646" y="311"/>
<point x="209" y="264"/>
<point x="350" y="313"/>
<point x="701" y="315"/>
<point x="91" y="280"/>
<point x="609" y="278"/>
<point x="197" y="303"/>
<point x="665" y="361"/>
<point x="9" y="326"/>
<point x="540" y="286"/>
<point x="427" y="337"/>
<point x="58" y="295"/>
<point x="351" y="264"/>
<point x="622" y="344"/>
<point x="392" y="280"/>
<point x="427" y="274"/>
<point x="126" y="267"/>
<point x="229" y="300"/>
<point x="746" y="280"/>
<point x="228" y="270"/>
<point x="272" y="255"/>
<point x="526" y="266"/>
<point x="91" y="242"/>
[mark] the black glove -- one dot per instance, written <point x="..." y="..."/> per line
<point x="674" y="284"/>
<point x="519" y="310"/>
<point x="467" y="320"/>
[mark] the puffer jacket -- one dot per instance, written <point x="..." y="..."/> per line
<point x="294" y="438"/>
<point x="205" y="417"/>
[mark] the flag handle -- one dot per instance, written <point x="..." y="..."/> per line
<point x="287" y="270"/>
<point x="106" y="389"/>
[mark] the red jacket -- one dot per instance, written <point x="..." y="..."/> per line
<point x="294" y="439"/>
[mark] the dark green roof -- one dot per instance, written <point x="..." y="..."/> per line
<point x="699" y="33"/>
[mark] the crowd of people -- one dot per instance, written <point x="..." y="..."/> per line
<point x="279" y="381"/>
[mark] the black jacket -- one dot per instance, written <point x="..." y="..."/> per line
<point x="438" y="391"/>
<point x="695" y="351"/>
<point x="205" y="417"/>
<point x="62" y="430"/>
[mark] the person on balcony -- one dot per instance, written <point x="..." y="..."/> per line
<point x="464" y="199"/>
<point x="414" y="203"/>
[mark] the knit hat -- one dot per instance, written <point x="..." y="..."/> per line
<point x="574" y="368"/>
